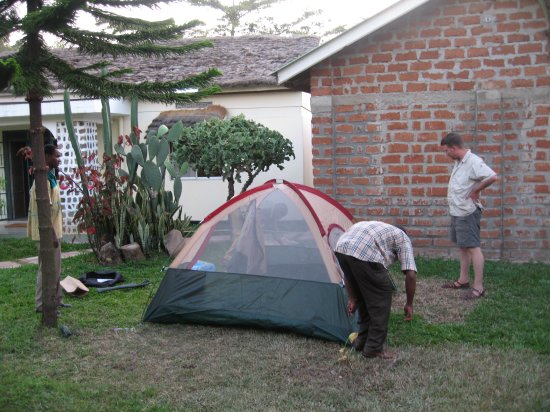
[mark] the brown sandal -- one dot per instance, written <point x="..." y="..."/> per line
<point x="474" y="294"/>
<point x="456" y="285"/>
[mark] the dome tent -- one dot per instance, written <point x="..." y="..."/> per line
<point x="262" y="259"/>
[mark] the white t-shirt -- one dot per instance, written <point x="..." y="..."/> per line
<point x="466" y="174"/>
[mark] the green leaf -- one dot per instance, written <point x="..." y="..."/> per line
<point x="162" y="130"/>
<point x="138" y="155"/>
<point x="120" y="150"/>
<point x="152" y="175"/>
<point x="153" y="144"/>
<point x="171" y="168"/>
<point x="177" y="190"/>
<point x="163" y="151"/>
<point x="175" y="132"/>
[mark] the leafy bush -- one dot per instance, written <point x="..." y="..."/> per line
<point x="229" y="148"/>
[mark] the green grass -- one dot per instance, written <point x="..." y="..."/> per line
<point x="497" y="359"/>
<point x="18" y="248"/>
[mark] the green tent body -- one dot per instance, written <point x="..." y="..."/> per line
<point x="262" y="260"/>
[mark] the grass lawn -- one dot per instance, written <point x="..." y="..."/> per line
<point x="17" y="248"/>
<point x="488" y="355"/>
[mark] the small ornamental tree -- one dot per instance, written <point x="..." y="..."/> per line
<point x="231" y="148"/>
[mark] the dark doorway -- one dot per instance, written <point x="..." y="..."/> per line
<point x="18" y="181"/>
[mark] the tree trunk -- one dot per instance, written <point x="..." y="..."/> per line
<point x="49" y="279"/>
<point x="45" y="227"/>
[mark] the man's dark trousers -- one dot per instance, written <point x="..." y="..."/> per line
<point x="370" y="284"/>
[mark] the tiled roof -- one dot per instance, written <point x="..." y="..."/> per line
<point x="247" y="61"/>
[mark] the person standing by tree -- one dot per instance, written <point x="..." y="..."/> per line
<point x="52" y="156"/>
<point x="365" y="252"/>
<point x="470" y="175"/>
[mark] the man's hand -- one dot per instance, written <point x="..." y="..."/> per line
<point x="408" y="312"/>
<point x="352" y="306"/>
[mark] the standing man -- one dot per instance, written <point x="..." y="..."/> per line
<point x="365" y="252"/>
<point x="470" y="175"/>
<point x="52" y="156"/>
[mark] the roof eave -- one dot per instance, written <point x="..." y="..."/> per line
<point x="357" y="32"/>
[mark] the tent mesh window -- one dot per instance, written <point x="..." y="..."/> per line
<point x="268" y="237"/>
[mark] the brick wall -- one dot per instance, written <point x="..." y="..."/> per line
<point x="381" y="106"/>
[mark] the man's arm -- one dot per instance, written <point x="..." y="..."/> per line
<point x="410" y="288"/>
<point x="474" y="194"/>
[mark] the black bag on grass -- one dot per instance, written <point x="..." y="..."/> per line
<point x="101" y="278"/>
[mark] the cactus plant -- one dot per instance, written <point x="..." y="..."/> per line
<point x="121" y="205"/>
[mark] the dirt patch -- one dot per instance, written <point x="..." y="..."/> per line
<point x="435" y="304"/>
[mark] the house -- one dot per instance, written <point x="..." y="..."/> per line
<point x="249" y="88"/>
<point x="385" y="92"/>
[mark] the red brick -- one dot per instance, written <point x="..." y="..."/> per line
<point x="415" y="159"/>
<point x="385" y="78"/>
<point x="432" y="76"/>
<point x="445" y="65"/>
<point x="455" y="32"/>
<point x="494" y="62"/>
<point x="522" y="83"/>
<point x="478" y="52"/>
<point x="437" y="87"/>
<point x="375" y="68"/>
<point x="496" y="39"/>
<point x="454" y="11"/>
<point x="419" y="66"/>
<point x="530" y="48"/>
<point x="407" y="77"/>
<point x="464" y="74"/>
<point x="439" y="43"/>
<point x="444" y="114"/>
<point x="391" y="159"/>
<point x="392" y="180"/>
<point x="454" y="54"/>
<point x="435" y="125"/>
<point x="542" y="189"/>
<point x="344" y="128"/>
<point x="543" y="81"/>
<point x="417" y="87"/>
<point x="382" y="58"/>
<point x="484" y="74"/>
<point x="431" y="32"/>
<point x="504" y="49"/>
<point x="517" y="38"/>
<point x="469" y="20"/>
<point x="398" y="148"/>
<point x="510" y="27"/>
<point x="398" y="67"/>
<point x="465" y="41"/>
<point x="520" y="61"/>
<point x="535" y="70"/>
<point x="534" y="179"/>
<point x="415" y="45"/>
<point x="422" y="180"/>
<point x="398" y="169"/>
<point x="393" y="88"/>
<point x="405" y="56"/>
<point x="397" y="191"/>
<point x="470" y="64"/>
<point x="437" y="191"/>
<point x="463" y="85"/>
<point x="510" y="72"/>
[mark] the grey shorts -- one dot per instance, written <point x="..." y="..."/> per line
<point x="465" y="230"/>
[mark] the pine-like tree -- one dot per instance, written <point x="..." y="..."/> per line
<point x="244" y="18"/>
<point x="33" y="69"/>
